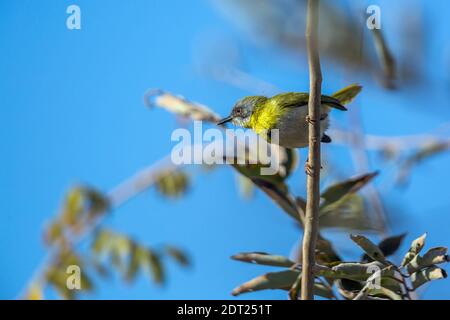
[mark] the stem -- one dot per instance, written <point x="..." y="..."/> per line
<point x="313" y="177"/>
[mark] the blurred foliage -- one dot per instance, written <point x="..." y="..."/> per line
<point x="378" y="279"/>
<point x="80" y="217"/>
<point x="128" y="257"/>
<point x="179" y="105"/>
<point x="386" y="59"/>
<point x="342" y="38"/>
<point x="418" y="156"/>
<point x="172" y="184"/>
<point x="81" y="207"/>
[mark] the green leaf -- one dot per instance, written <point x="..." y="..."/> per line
<point x="272" y="280"/>
<point x="119" y="250"/>
<point x="432" y="273"/>
<point x="369" y="248"/>
<point x="57" y="278"/>
<point x="384" y="292"/>
<point x="282" y="198"/>
<point x="284" y="159"/>
<point x="97" y="203"/>
<point x="264" y="259"/>
<point x="56" y="274"/>
<point x="129" y="257"/>
<point x="356" y="271"/>
<point x="278" y="280"/>
<point x="271" y="184"/>
<point x="154" y="266"/>
<point x="172" y="184"/>
<point x="386" y="58"/>
<point x="73" y="206"/>
<point x="81" y="205"/>
<point x="134" y="262"/>
<point x="391" y="284"/>
<point x="54" y="233"/>
<point x="336" y="192"/>
<point x="325" y="253"/>
<point x="102" y="242"/>
<point x="178" y="255"/>
<point x="348" y="213"/>
<point x="431" y="257"/>
<point x="388" y="246"/>
<point x="416" y="247"/>
<point x="375" y="289"/>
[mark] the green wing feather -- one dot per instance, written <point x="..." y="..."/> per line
<point x="300" y="99"/>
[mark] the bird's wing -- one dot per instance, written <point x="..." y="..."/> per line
<point x="300" y="99"/>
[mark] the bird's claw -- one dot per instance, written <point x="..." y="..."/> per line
<point x="310" y="120"/>
<point x="309" y="170"/>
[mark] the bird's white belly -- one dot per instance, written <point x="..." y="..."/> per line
<point x="293" y="128"/>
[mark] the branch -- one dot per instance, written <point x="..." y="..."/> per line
<point x="379" y="143"/>
<point x="118" y="196"/>
<point x="313" y="164"/>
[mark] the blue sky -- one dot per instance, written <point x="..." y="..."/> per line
<point x="71" y="111"/>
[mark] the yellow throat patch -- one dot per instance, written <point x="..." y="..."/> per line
<point x="265" y="117"/>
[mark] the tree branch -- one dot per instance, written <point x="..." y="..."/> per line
<point x="313" y="164"/>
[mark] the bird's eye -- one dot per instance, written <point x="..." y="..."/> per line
<point x="238" y="110"/>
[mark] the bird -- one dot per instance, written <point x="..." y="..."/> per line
<point x="287" y="112"/>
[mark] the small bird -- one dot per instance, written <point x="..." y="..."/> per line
<point x="287" y="112"/>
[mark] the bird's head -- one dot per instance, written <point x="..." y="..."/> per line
<point x="243" y="110"/>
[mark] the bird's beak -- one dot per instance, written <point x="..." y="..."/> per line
<point x="225" y="120"/>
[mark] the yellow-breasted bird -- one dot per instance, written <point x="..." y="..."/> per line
<point x="288" y="113"/>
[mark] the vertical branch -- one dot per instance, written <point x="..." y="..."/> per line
<point x="313" y="165"/>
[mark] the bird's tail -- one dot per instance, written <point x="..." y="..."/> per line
<point x="346" y="95"/>
<point x="332" y="102"/>
<point x="340" y="98"/>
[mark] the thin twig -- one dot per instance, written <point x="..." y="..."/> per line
<point x="399" y="143"/>
<point x="313" y="165"/>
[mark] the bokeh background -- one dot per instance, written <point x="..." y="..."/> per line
<point x="72" y="111"/>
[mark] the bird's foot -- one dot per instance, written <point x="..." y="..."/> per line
<point x="310" y="120"/>
<point x="309" y="169"/>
